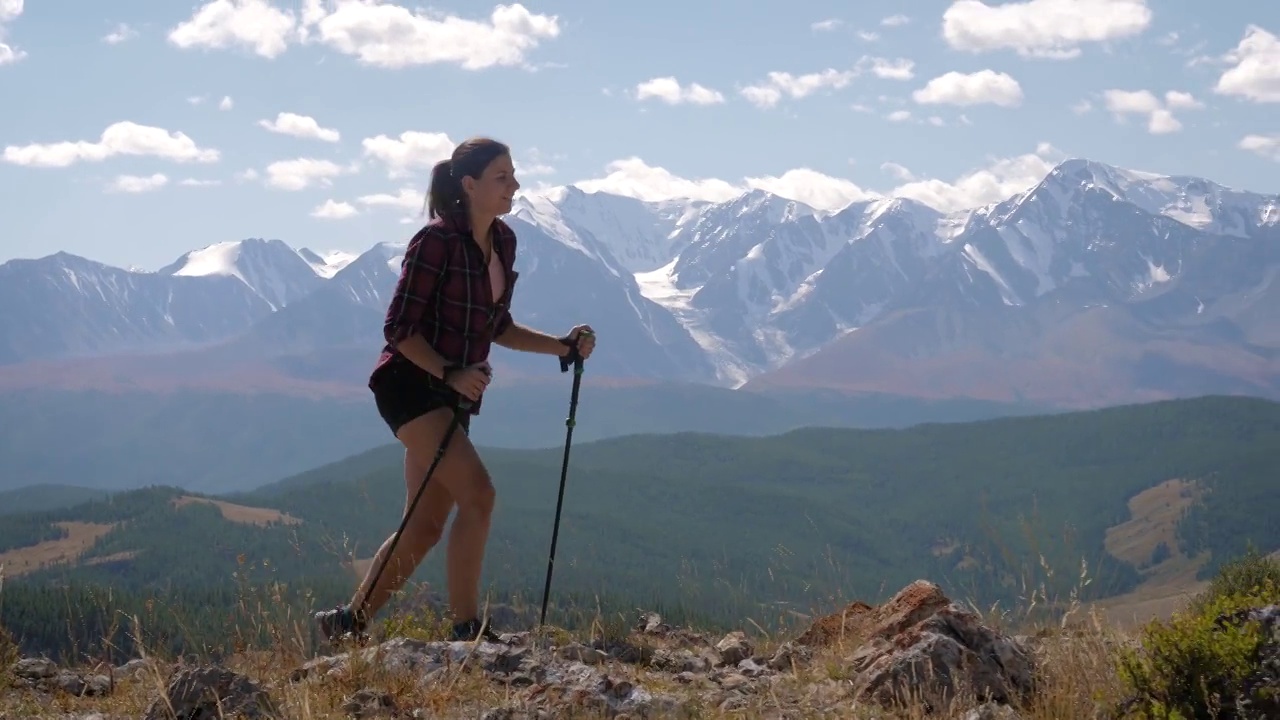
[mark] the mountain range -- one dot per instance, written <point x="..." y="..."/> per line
<point x="1097" y="285"/>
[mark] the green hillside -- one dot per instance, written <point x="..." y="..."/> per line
<point x="726" y="528"/>
<point x="219" y="442"/>
<point x="36" y="498"/>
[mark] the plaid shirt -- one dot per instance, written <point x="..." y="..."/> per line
<point x="444" y="294"/>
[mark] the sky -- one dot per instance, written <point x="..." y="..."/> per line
<point x="133" y="131"/>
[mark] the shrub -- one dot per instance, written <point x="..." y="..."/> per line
<point x="1195" y="666"/>
<point x="1245" y="575"/>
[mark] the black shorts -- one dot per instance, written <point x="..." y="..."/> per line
<point x="404" y="392"/>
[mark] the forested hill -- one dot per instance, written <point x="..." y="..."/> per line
<point x="724" y="527"/>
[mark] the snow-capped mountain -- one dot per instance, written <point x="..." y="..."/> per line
<point x="270" y="268"/>
<point x="63" y="306"/>
<point x="768" y="291"/>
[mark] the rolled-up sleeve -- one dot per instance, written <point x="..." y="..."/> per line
<point x="420" y="274"/>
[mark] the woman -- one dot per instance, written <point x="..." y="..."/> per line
<point x="451" y="302"/>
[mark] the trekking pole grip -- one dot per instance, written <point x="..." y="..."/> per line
<point x="574" y="358"/>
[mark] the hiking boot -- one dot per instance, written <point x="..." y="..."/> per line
<point x="470" y="630"/>
<point x="339" y="623"/>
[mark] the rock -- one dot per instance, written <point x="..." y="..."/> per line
<point x="789" y="656"/>
<point x="992" y="711"/>
<point x="135" y="669"/>
<point x="581" y="653"/>
<point x="734" y="648"/>
<point x="920" y="646"/>
<point x="35" y="668"/>
<point x="209" y="693"/>
<point x="370" y="703"/>
<point x="550" y="680"/>
<point x="44" y="675"/>
<point x="651" y="624"/>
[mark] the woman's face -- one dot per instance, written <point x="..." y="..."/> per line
<point x="491" y="193"/>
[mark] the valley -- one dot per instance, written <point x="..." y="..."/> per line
<point x="1129" y="508"/>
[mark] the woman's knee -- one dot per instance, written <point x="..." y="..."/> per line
<point x="483" y="495"/>
<point x="460" y="471"/>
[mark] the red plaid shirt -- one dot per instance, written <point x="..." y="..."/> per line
<point x="444" y="294"/>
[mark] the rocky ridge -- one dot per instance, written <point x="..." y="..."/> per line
<point x="919" y="654"/>
<point x="917" y="650"/>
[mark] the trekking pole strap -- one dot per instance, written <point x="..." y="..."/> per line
<point x="574" y="358"/>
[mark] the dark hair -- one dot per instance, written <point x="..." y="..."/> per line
<point x="469" y="159"/>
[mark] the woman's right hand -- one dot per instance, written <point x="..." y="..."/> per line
<point x="470" y="381"/>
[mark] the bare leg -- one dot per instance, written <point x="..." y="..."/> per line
<point x="463" y="475"/>
<point x="421" y="534"/>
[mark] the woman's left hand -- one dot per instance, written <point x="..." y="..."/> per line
<point x="586" y="339"/>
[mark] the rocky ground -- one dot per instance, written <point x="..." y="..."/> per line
<point x="918" y="655"/>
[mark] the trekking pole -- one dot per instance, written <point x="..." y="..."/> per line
<point x="576" y="359"/>
<point x="462" y="406"/>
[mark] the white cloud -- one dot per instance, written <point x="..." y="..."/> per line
<point x="899" y="172"/>
<point x="768" y="93"/>
<point x="122" y="33"/>
<point x="812" y="188"/>
<point x="226" y="103"/>
<point x="1160" y="118"/>
<point x="376" y="33"/>
<point x="137" y="184"/>
<point x="898" y="116"/>
<point x="192" y="182"/>
<point x="826" y="25"/>
<point x="1052" y="29"/>
<point x="332" y="210"/>
<point x="1002" y="177"/>
<point x="778" y="84"/>
<point x="534" y="168"/>
<point x="668" y="90"/>
<point x="406" y="198"/>
<point x="1256" y="72"/>
<point x="895" y="20"/>
<point x="1262" y="145"/>
<point x="983" y="86"/>
<point x="9" y="11"/>
<point x="121" y="138"/>
<point x="633" y="177"/>
<point x="885" y="69"/>
<point x="252" y="24"/>
<point x="301" y="173"/>
<point x="1182" y="100"/>
<point x="868" y="35"/>
<point x="412" y="151"/>
<point x="299" y="126"/>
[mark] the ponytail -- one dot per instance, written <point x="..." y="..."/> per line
<point x="469" y="159"/>
<point x="446" y="194"/>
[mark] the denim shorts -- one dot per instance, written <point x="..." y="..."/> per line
<point x="404" y="392"/>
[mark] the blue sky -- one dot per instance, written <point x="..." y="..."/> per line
<point x="316" y="121"/>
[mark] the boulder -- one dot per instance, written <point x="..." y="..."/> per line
<point x="920" y="648"/>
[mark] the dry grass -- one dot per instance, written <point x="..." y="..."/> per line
<point x="80" y="537"/>
<point x="243" y="514"/>
<point x="1166" y="585"/>
<point x="1154" y="515"/>
<point x="1079" y="679"/>
<point x="1075" y="654"/>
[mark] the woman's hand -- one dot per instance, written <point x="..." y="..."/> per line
<point x="470" y="381"/>
<point x="585" y="337"/>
